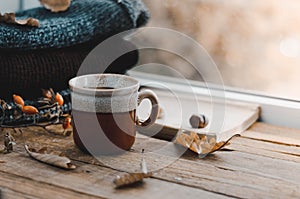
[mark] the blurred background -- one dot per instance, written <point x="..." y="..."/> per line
<point x="255" y="44"/>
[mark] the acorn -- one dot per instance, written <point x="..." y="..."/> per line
<point x="198" y="121"/>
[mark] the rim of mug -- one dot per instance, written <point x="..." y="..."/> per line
<point x="96" y="91"/>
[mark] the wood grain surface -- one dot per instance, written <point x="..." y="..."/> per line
<point x="250" y="167"/>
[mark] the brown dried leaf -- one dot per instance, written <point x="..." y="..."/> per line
<point x="206" y="148"/>
<point x="56" y="5"/>
<point x="10" y="18"/>
<point x="2" y="161"/>
<point x="212" y="141"/>
<point x="218" y="146"/>
<point x="195" y="136"/>
<point x="199" y="143"/>
<point x="184" y="140"/>
<point x="130" y="178"/>
<point x="196" y="148"/>
<point x="51" y="159"/>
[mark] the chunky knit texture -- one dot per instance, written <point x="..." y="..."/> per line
<point x="84" y="21"/>
<point x="48" y="56"/>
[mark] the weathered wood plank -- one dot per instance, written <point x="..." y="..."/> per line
<point x="93" y="180"/>
<point x="286" y="171"/>
<point x="224" y="172"/>
<point x="270" y="133"/>
<point x="240" y="173"/>
<point x="229" y="179"/>
<point x="237" y="178"/>
<point x="269" y="146"/>
<point x="268" y="149"/>
<point x="66" y="145"/>
<point x="195" y="174"/>
<point x="25" y="187"/>
<point x="11" y="194"/>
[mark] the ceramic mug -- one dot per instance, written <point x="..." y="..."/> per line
<point x="104" y="112"/>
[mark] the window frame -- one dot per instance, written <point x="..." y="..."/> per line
<point x="274" y="110"/>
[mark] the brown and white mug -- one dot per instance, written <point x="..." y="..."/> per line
<point x="104" y="112"/>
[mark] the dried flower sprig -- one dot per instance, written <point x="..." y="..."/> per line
<point x="48" y="110"/>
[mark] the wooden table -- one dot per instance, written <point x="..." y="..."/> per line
<point x="263" y="163"/>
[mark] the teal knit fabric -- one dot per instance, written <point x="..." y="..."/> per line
<point x="84" y="21"/>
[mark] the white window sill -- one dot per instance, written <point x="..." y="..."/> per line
<point x="274" y="111"/>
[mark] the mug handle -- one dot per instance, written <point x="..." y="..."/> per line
<point x="148" y="94"/>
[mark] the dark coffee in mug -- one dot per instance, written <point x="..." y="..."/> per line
<point x="104" y="112"/>
<point x="118" y="128"/>
<point x="100" y="87"/>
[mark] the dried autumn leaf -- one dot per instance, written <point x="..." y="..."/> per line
<point x="206" y="147"/>
<point x="199" y="143"/>
<point x="218" y="146"/>
<point x="56" y="5"/>
<point x="51" y="159"/>
<point x="184" y="139"/>
<point x="196" y="148"/>
<point x="10" y="18"/>
<point x="197" y="139"/>
<point x="130" y="178"/>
